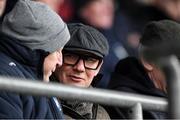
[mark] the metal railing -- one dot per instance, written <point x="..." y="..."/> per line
<point x="102" y="96"/>
<point x="171" y="68"/>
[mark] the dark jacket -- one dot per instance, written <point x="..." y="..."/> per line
<point x="130" y="76"/>
<point x="18" y="61"/>
<point x="84" y="110"/>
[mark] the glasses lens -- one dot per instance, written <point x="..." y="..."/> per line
<point x="91" y="63"/>
<point x="70" y="59"/>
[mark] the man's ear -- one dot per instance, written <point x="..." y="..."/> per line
<point x="98" y="76"/>
<point x="98" y="69"/>
<point x="147" y="66"/>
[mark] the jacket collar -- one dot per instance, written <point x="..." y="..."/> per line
<point x="23" y="55"/>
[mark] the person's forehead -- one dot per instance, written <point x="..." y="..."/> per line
<point x="83" y="53"/>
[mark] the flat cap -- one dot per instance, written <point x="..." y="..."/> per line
<point x="88" y="39"/>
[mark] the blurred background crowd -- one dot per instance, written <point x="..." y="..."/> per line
<point x="121" y="21"/>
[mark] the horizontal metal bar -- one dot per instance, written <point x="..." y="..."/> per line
<point x="101" y="96"/>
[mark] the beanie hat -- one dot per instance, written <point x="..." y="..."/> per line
<point x="87" y="39"/>
<point x="164" y="34"/>
<point x="36" y="26"/>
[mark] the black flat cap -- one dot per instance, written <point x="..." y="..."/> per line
<point x="87" y="39"/>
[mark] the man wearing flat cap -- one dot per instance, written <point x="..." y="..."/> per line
<point x="82" y="59"/>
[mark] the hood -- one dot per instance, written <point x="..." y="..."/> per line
<point x="129" y="73"/>
<point x="21" y="54"/>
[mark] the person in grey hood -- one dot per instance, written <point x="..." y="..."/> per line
<point x="32" y="37"/>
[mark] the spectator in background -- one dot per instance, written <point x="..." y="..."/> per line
<point x="141" y="76"/>
<point x="82" y="59"/>
<point x="32" y="37"/>
<point x="129" y="20"/>
<point x="102" y="12"/>
<point x="136" y="14"/>
<point x="101" y="15"/>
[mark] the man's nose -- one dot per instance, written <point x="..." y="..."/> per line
<point x="80" y="66"/>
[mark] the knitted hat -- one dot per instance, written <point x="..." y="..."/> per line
<point x="35" y="26"/>
<point x="162" y="36"/>
<point x="87" y="39"/>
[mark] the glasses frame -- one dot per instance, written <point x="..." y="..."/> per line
<point x="81" y="56"/>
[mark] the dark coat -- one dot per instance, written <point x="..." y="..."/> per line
<point x="18" y="61"/>
<point x="130" y="76"/>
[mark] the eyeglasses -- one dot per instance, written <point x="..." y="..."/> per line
<point x="90" y="62"/>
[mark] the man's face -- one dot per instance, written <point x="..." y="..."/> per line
<point x="52" y="61"/>
<point x="99" y="13"/>
<point x="78" y="70"/>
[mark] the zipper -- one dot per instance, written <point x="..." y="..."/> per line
<point x="56" y="108"/>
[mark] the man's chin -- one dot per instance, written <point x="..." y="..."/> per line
<point x="77" y="84"/>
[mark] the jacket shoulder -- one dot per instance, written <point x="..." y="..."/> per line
<point x="9" y="67"/>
